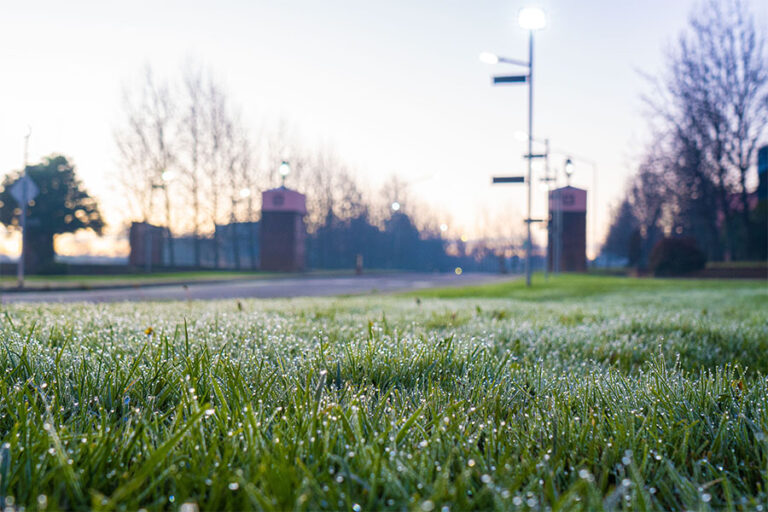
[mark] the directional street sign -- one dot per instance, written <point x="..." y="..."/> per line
<point x="509" y="179"/>
<point x="510" y="79"/>
<point x="24" y="187"/>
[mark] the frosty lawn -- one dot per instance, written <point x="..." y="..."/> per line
<point x="590" y="392"/>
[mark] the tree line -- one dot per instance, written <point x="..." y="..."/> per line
<point x="708" y="113"/>
<point x="189" y="161"/>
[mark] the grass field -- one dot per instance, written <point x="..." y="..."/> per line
<point x="585" y="393"/>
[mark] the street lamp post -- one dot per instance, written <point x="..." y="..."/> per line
<point x="165" y="178"/>
<point x="25" y="195"/>
<point x="572" y="159"/>
<point x="531" y="19"/>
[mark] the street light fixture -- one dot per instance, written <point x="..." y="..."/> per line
<point x="285" y="170"/>
<point x="492" y="58"/>
<point x="489" y="58"/>
<point x="531" y="19"/>
<point x="569" y="168"/>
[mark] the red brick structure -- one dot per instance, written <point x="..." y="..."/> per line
<point x="146" y="243"/>
<point x="282" y="236"/>
<point x="568" y="223"/>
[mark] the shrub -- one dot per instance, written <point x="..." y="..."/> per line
<point x="676" y="257"/>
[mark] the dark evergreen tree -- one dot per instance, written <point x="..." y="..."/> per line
<point x="62" y="206"/>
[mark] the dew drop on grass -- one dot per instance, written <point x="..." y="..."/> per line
<point x="233" y="486"/>
<point x="356" y="507"/>
<point x="427" y="506"/>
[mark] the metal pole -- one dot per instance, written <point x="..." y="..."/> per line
<point x="25" y="194"/>
<point x="169" y="234"/>
<point x="559" y="239"/>
<point x="549" y="229"/>
<point x="147" y="248"/>
<point x="528" y="269"/>
<point x="594" y="210"/>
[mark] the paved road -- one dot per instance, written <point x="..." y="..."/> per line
<point x="261" y="288"/>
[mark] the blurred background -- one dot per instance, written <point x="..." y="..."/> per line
<point x="151" y="132"/>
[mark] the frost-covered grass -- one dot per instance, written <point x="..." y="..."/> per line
<point x="636" y="397"/>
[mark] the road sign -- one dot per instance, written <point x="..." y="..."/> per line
<point x="24" y="186"/>
<point x="509" y="179"/>
<point x="510" y="79"/>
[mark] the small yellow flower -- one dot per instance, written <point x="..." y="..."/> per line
<point x="149" y="331"/>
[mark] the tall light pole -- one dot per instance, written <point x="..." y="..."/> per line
<point x="531" y="19"/>
<point x="25" y="194"/>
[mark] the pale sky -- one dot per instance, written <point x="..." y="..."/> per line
<point x="396" y="87"/>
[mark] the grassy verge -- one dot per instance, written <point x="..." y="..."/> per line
<point x="568" y="287"/>
<point x="595" y="394"/>
<point x="138" y="279"/>
<point x="39" y="282"/>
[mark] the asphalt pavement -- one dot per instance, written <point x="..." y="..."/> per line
<point x="261" y="288"/>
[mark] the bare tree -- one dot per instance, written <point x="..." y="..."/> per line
<point x="712" y="105"/>
<point x="146" y="145"/>
<point x="192" y="139"/>
<point x="216" y="124"/>
<point x="236" y="148"/>
<point x="650" y="197"/>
